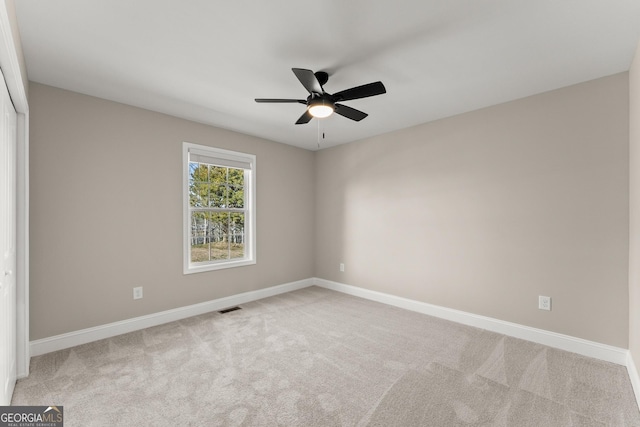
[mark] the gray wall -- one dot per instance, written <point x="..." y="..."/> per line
<point x="485" y="211"/>
<point x="634" y="202"/>
<point x="106" y="212"/>
<point x="480" y="212"/>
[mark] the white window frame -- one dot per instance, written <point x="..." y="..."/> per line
<point x="189" y="149"/>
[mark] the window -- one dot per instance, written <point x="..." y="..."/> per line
<point x="219" y="208"/>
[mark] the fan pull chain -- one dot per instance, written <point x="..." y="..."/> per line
<point x="319" y="133"/>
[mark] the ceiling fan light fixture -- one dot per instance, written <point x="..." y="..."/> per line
<point x="320" y="110"/>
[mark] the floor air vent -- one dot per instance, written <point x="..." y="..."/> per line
<point x="227" y="310"/>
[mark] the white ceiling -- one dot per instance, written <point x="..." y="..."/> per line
<point x="206" y="60"/>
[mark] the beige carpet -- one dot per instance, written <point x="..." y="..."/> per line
<point x="315" y="357"/>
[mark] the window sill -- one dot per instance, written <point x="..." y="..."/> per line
<point x="201" y="268"/>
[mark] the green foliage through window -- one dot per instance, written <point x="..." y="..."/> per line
<point x="217" y="202"/>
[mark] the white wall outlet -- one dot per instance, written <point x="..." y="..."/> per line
<point x="544" y="303"/>
<point x="137" y="292"/>
<point x="342" y="267"/>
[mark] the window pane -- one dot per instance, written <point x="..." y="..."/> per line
<point x="199" y="239"/>
<point x="219" y="233"/>
<point x="196" y="200"/>
<point x="198" y="172"/>
<point x="192" y="168"/>
<point x="236" y="188"/>
<point x="218" y="196"/>
<point x="198" y="187"/>
<point x="236" y="197"/>
<point x="194" y="172"/>
<point x="236" y="235"/>
<point x="217" y="174"/>
<point x="236" y="177"/>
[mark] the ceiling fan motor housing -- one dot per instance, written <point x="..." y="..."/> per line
<point x="322" y="77"/>
<point x="323" y="99"/>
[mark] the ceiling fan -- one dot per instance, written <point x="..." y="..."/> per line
<point x="321" y="104"/>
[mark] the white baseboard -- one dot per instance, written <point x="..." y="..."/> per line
<point x="596" y="350"/>
<point x="633" y="376"/>
<point x="71" y="339"/>
<point x="587" y="348"/>
<point x="564" y="342"/>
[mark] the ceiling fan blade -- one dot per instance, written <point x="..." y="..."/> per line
<point x="308" y="80"/>
<point x="276" y="100"/>
<point x="364" y="91"/>
<point x="305" y="118"/>
<point x="350" y="113"/>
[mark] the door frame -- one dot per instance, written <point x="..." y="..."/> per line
<point x="12" y="64"/>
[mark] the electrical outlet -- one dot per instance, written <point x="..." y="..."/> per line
<point x="137" y="292"/>
<point x="544" y="303"/>
<point x="342" y="267"/>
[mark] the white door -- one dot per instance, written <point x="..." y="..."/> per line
<point x="7" y="245"/>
